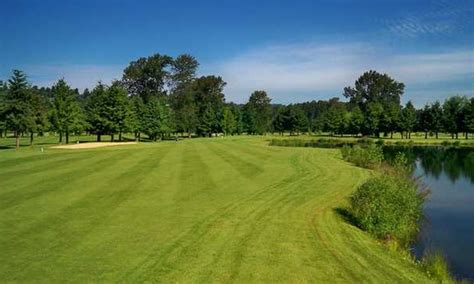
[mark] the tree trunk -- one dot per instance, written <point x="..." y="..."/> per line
<point x="112" y="137"/>
<point x="17" y="140"/>
<point x="391" y="134"/>
<point x="456" y="135"/>
<point x="120" y="135"/>
<point x="98" y="137"/>
<point x="436" y="134"/>
<point x="426" y="134"/>
<point x="60" y="137"/>
<point x="67" y="137"/>
<point x="31" y="138"/>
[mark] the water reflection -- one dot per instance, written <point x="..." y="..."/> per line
<point x="455" y="162"/>
<point x="449" y="210"/>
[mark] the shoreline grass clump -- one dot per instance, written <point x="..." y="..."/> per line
<point x="365" y="157"/>
<point x="435" y="265"/>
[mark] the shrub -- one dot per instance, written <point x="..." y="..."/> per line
<point x="368" y="157"/>
<point x="401" y="164"/>
<point x="388" y="207"/>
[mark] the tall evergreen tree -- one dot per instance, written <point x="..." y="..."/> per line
<point x="209" y="98"/>
<point x="436" y="125"/>
<point x="66" y="114"/>
<point x="18" y="111"/>
<point x="3" y="93"/>
<point x="156" y="119"/>
<point x="259" y="112"/>
<point x="356" y="121"/>
<point x="453" y="115"/>
<point x="470" y="117"/>
<point x="228" y="121"/>
<point x="136" y="108"/>
<point x="117" y="109"/>
<point x="408" y="119"/>
<point x="97" y="112"/>
<point x="39" y="106"/>
<point x="426" y="120"/>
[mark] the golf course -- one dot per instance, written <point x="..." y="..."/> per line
<point x="200" y="210"/>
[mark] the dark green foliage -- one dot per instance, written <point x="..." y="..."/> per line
<point x="39" y="105"/>
<point x="336" y="119"/>
<point x="228" y="121"/>
<point x="356" y="121"/>
<point x="470" y="116"/>
<point x="389" y="207"/>
<point x="118" y="109"/>
<point x="291" y="119"/>
<point x="258" y="113"/>
<point x="66" y="114"/>
<point x="408" y="119"/>
<point x="185" y="109"/>
<point x="209" y="99"/>
<point x="3" y="93"/>
<point x="156" y="120"/>
<point x="183" y="71"/>
<point x="147" y="77"/>
<point x="453" y="114"/>
<point x="18" y="110"/>
<point x="96" y="110"/>
<point x="376" y="94"/>
<point x="136" y="109"/>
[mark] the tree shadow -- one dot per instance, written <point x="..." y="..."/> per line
<point x="346" y="215"/>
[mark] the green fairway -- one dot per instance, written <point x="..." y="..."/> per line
<point x="203" y="210"/>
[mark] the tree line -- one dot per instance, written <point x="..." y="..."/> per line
<point x="159" y="96"/>
<point x="374" y="108"/>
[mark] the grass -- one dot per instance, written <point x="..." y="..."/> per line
<point x="202" y="210"/>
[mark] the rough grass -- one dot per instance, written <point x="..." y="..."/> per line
<point x="203" y="210"/>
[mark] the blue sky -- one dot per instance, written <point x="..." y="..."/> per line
<point x="296" y="50"/>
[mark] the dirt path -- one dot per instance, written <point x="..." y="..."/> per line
<point x="90" y="145"/>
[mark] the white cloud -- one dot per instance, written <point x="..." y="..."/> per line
<point x="286" y="70"/>
<point x="438" y="18"/>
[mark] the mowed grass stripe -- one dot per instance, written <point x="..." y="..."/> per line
<point x="186" y="212"/>
<point x="88" y="208"/>
<point x="44" y="180"/>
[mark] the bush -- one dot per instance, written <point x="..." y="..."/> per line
<point x="388" y="207"/>
<point x="368" y="157"/>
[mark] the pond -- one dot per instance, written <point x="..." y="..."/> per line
<point x="449" y="210"/>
